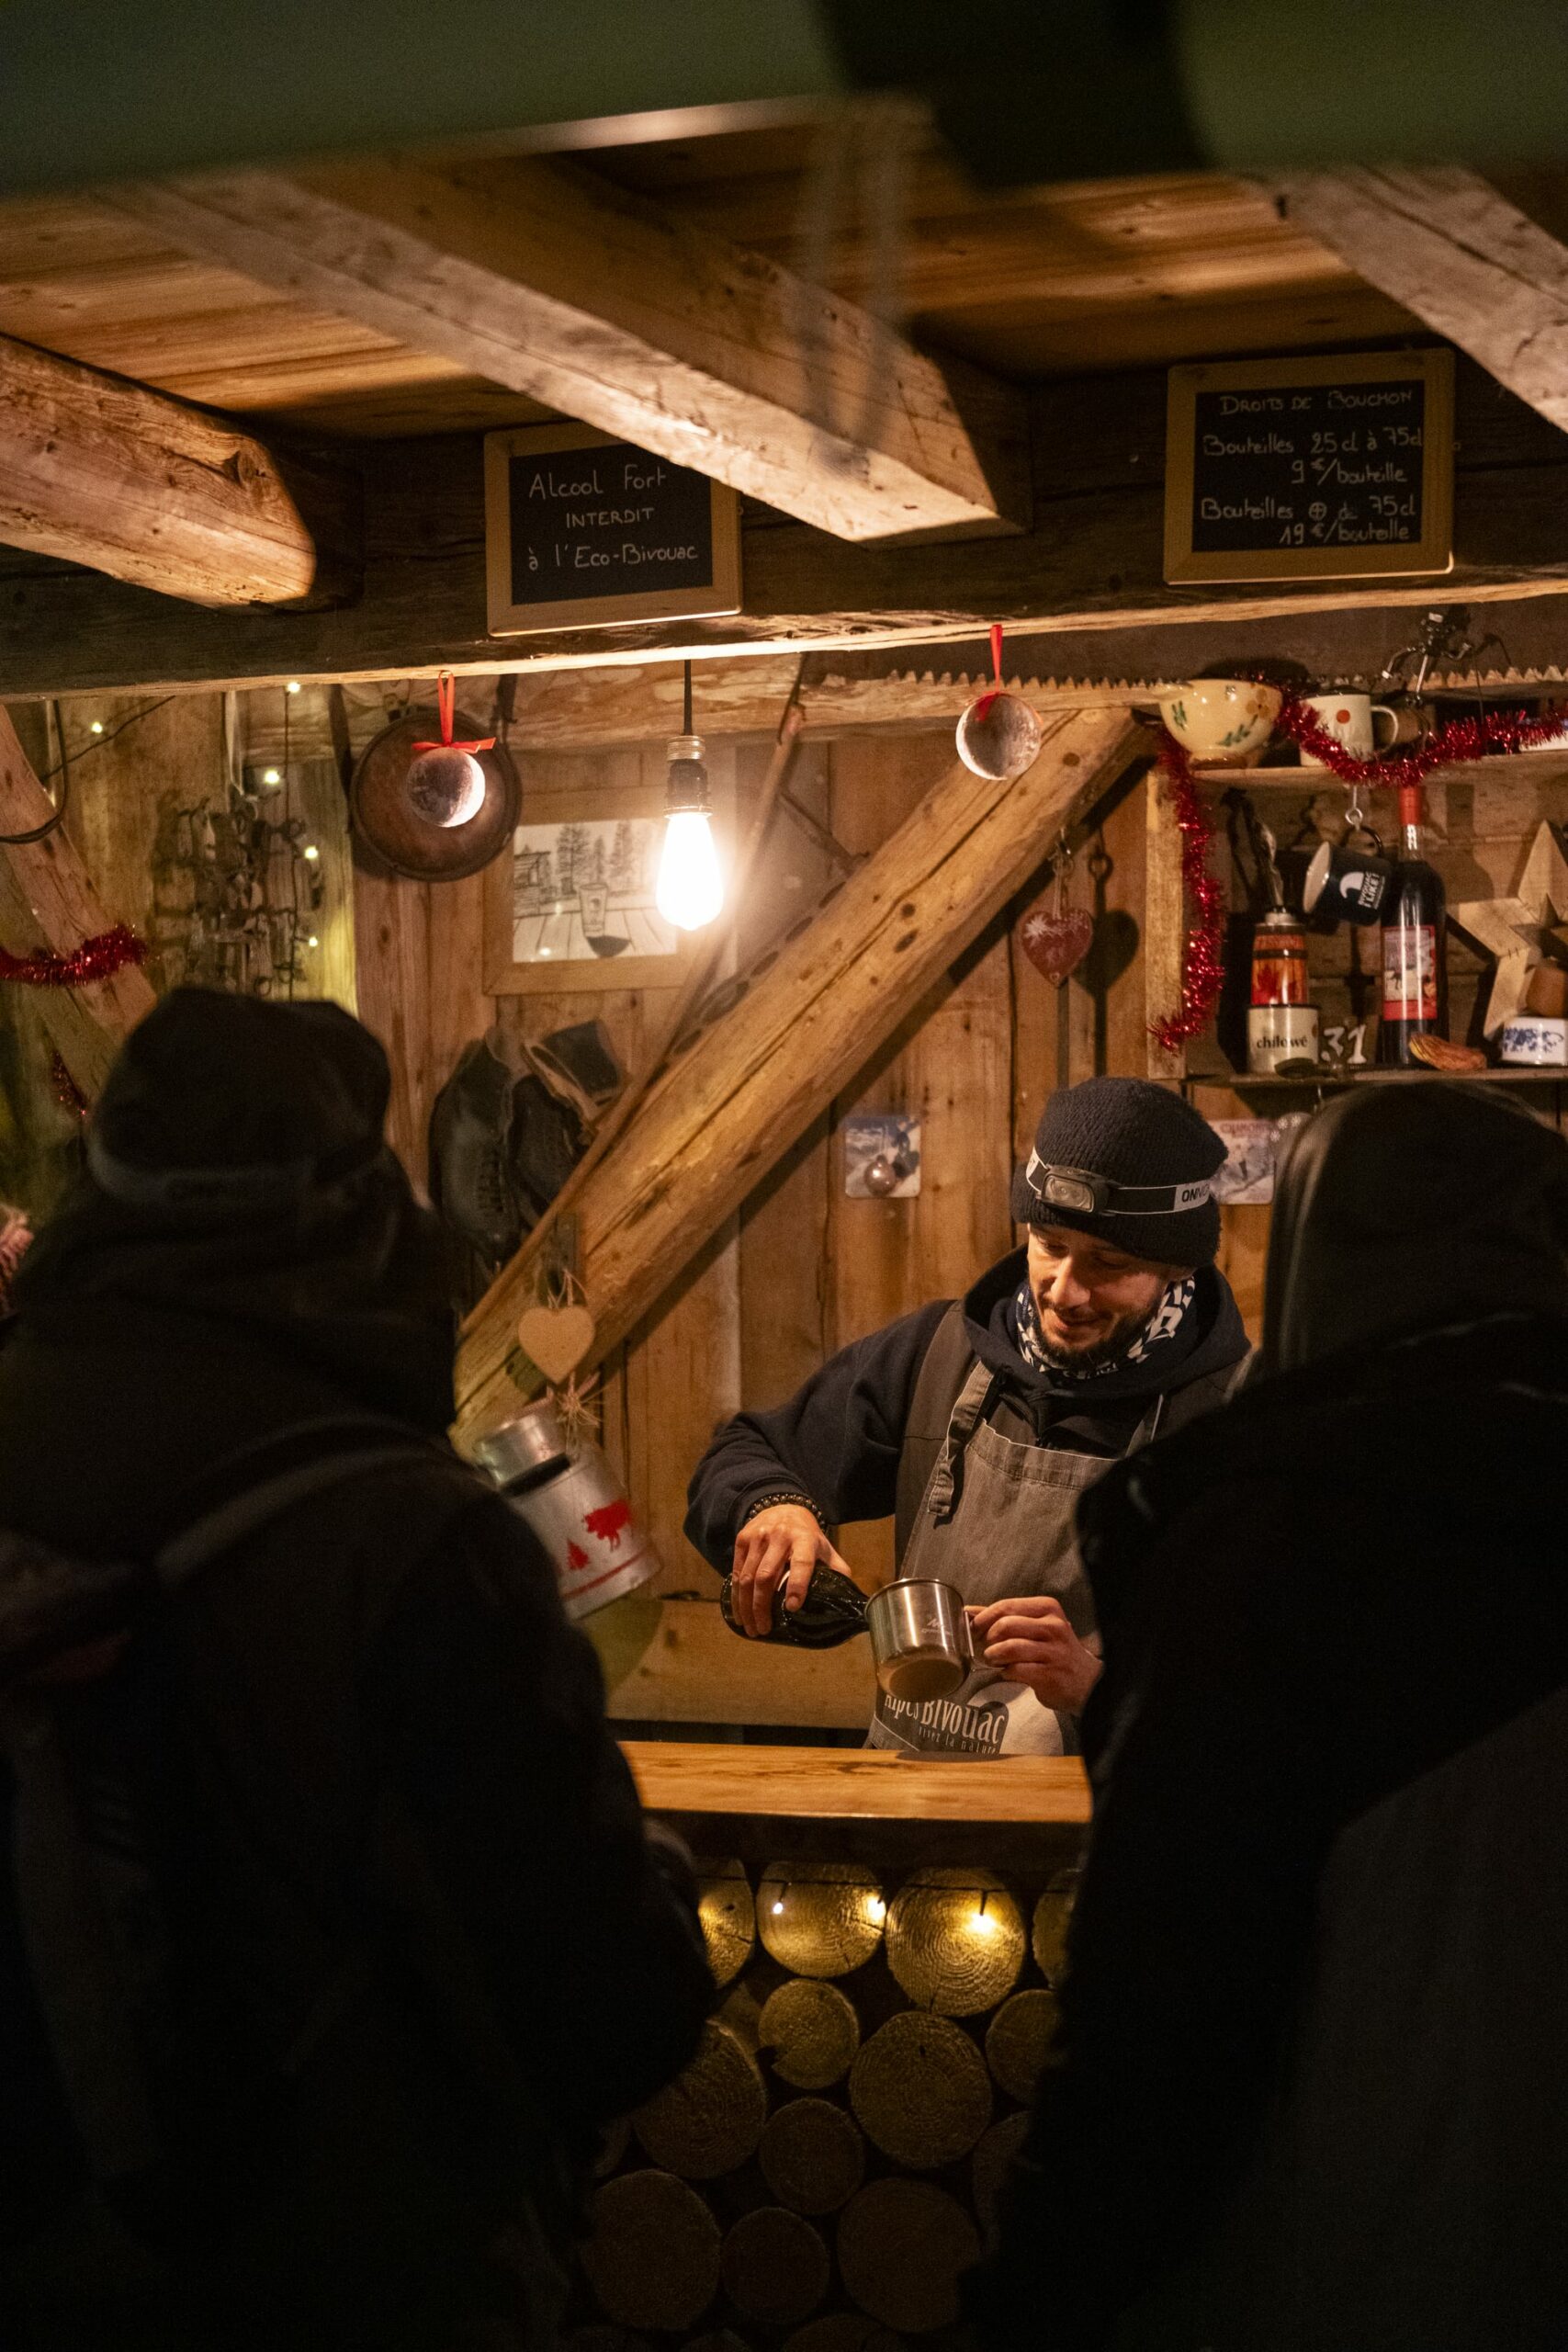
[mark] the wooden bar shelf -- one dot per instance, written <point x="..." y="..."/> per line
<point x="856" y="1784"/>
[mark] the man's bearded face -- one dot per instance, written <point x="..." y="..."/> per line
<point x="1092" y="1299"/>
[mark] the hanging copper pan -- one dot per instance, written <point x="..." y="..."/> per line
<point x="389" y="825"/>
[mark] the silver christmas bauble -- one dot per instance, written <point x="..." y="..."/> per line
<point x="446" y="785"/>
<point x="998" y="735"/>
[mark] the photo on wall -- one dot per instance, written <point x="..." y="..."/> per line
<point x="584" y="889"/>
<point x="570" y="903"/>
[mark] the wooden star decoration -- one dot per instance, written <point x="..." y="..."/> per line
<point x="1518" y="930"/>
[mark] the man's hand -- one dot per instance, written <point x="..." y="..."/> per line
<point x="780" y="1545"/>
<point x="1030" y="1640"/>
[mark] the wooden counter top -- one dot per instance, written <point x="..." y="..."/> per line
<point x="855" y="1785"/>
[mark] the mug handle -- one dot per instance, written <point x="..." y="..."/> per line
<point x="1383" y="710"/>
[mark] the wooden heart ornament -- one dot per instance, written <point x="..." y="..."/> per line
<point x="1056" y="942"/>
<point x="555" y="1337"/>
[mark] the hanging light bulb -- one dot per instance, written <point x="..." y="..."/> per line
<point x="689" y="888"/>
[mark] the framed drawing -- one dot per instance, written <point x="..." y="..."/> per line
<point x="569" y="904"/>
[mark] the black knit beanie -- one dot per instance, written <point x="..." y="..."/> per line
<point x="222" y="1105"/>
<point x="1128" y="1160"/>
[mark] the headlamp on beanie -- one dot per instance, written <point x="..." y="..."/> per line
<point x="1080" y="1189"/>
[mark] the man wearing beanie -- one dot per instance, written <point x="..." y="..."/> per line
<point x="978" y="1422"/>
<point x="330" y="1929"/>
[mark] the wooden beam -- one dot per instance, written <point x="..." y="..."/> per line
<point x="1091" y="573"/>
<point x="729" y="1105"/>
<point x="545" y="279"/>
<point x="47" y="899"/>
<point x="108" y="474"/>
<point x="1444" y="243"/>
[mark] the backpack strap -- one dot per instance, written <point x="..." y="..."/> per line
<point x="944" y="1368"/>
<point x="280" y="1470"/>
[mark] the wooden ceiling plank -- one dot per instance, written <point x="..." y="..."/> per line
<point x="1448" y="246"/>
<point x="105" y="473"/>
<point x="561" y="286"/>
<point x="730" y="1105"/>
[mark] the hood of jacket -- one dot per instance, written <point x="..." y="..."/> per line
<point x="1408" y="1206"/>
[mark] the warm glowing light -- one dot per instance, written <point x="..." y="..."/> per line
<point x="690" y="890"/>
<point x="778" y="1906"/>
<point x="982" y="1924"/>
<point x="272" y="775"/>
<point x="292" y="687"/>
<point x="312" y="851"/>
<point x="547" y="951"/>
<point x="312" y="941"/>
<point x="876" y="1910"/>
<point x="96" y="728"/>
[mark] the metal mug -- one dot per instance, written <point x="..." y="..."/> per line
<point x="920" y="1638"/>
<point x="1345" y="883"/>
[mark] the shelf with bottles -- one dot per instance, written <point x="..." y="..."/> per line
<point x="1333" y="1081"/>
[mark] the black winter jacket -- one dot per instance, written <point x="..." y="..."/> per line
<point x="1310" y="2091"/>
<point x="397" y="1642"/>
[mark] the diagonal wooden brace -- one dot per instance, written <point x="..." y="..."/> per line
<point x="729" y="1107"/>
<point x="47" y="899"/>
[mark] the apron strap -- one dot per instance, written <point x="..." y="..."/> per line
<point x="974" y="1403"/>
<point x="1148" y="1428"/>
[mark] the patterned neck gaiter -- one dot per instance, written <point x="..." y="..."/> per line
<point x="1164" y="1324"/>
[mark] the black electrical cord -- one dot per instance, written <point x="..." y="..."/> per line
<point x="686" y="698"/>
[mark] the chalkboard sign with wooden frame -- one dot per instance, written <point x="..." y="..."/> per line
<point x="583" y="531"/>
<point x="1332" y="467"/>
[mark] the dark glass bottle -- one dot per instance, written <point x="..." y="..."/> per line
<point x="1415" y="1000"/>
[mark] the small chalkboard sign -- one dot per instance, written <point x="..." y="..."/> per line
<point x="583" y="531"/>
<point x="1329" y="468"/>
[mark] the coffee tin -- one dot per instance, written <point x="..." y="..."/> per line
<point x="1277" y="1033"/>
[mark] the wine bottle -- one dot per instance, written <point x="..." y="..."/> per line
<point x="1414" y="971"/>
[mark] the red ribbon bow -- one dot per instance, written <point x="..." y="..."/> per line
<point x="446" y="700"/>
<point x="983" y="705"/>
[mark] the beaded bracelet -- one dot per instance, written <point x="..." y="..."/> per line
<point x="784" y="1495"/>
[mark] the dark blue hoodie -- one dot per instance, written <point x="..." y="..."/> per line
<point x="837" y="1440"/>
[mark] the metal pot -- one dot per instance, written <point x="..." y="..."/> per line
<point x="570" y="1497"/>
<point x="920" y="1638"/>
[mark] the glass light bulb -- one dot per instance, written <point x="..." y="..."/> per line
<point x="690" y="890"/>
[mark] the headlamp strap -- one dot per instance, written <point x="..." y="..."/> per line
<point x="1081" y="1189"/>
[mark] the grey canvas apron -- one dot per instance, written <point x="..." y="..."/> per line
<point x="997" y="1519"/>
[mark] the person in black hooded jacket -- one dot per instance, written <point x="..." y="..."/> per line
<point x="977" y="1422"/>
<point x="1310" y="2091"/>
<point x="413" y="1942"/>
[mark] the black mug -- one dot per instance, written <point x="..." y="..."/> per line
<point x="1347" y="884"/>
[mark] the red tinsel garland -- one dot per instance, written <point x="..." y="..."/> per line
<point x="1203" y="960"/>
<point x="1458" y="739"/>
<point x="67" y="1093"/>
<point x="97" y="958"/>
<point x="1471" y="738"/>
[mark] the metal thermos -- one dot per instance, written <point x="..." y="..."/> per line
<point x="570" y="1497"/>
<point x="920" y="1638"/>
